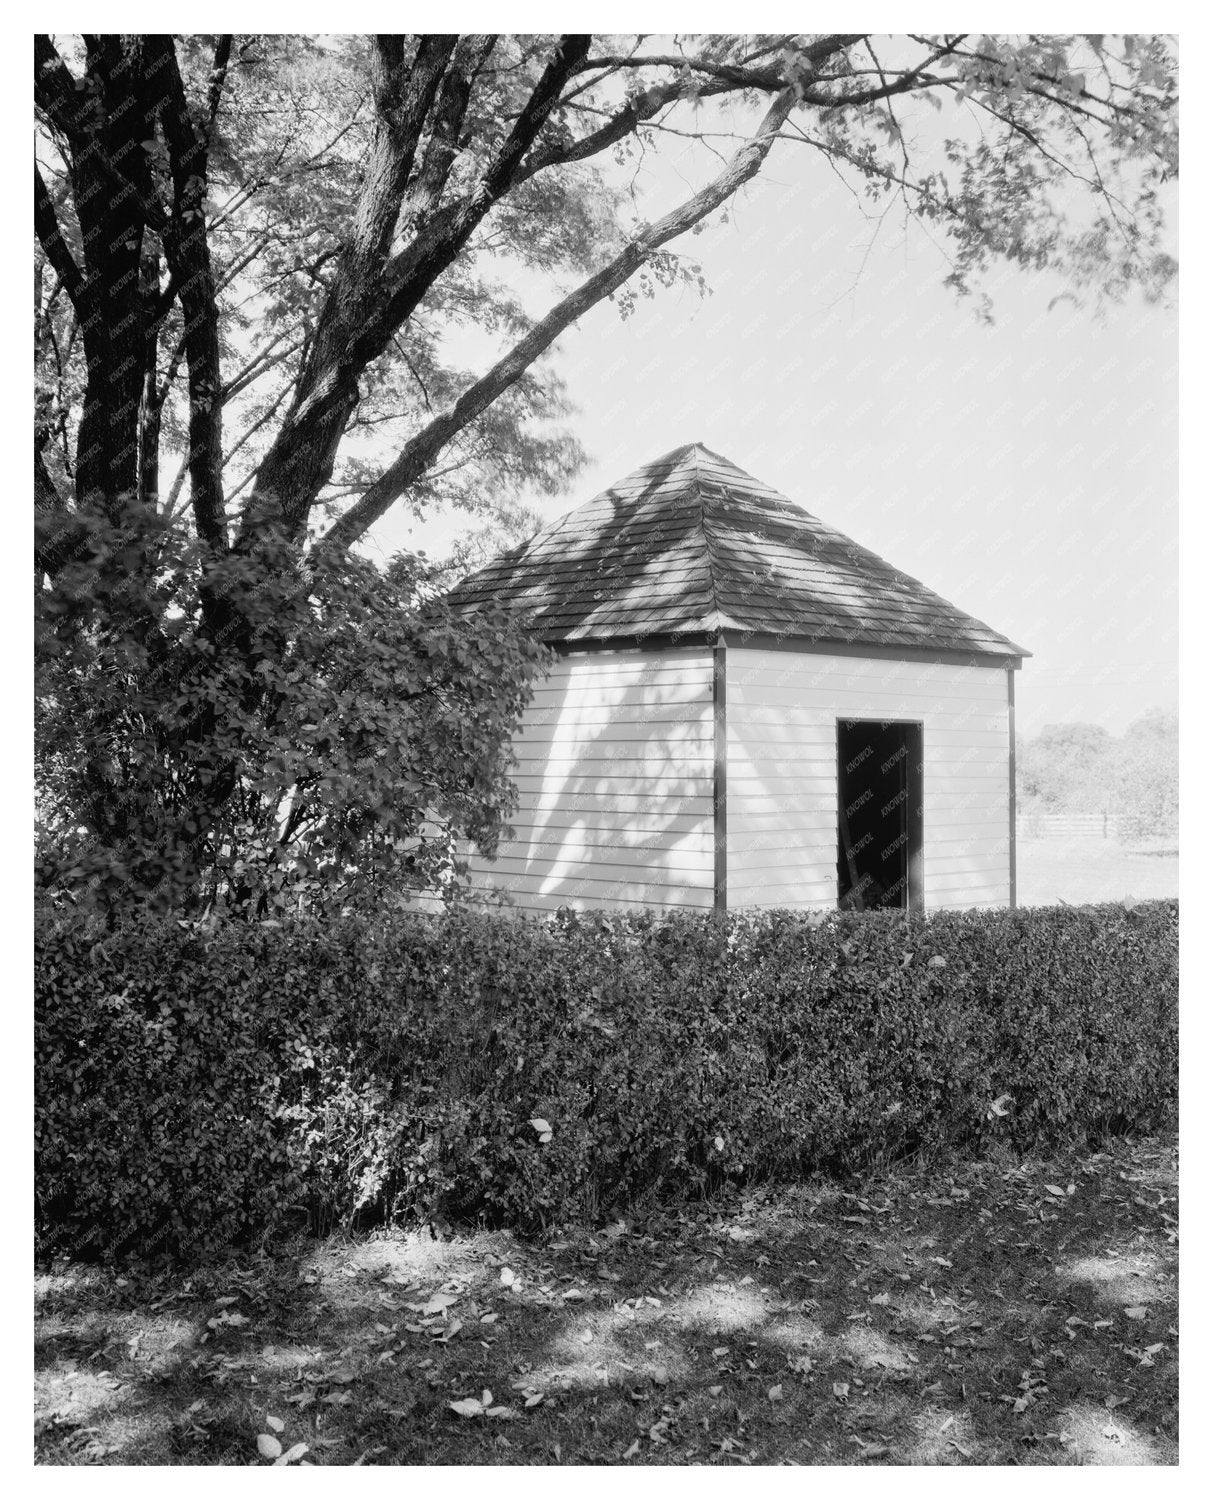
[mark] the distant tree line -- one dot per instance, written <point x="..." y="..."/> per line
<point x="1082" y="768"/>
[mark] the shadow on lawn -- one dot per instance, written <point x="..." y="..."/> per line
<point x="976" y="1313"/>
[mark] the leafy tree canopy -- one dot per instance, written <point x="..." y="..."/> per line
<point x="1081" y="768"/>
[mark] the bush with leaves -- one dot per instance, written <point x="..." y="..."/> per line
<point x="334" y="759"/>
<point x="199" y="1082"/>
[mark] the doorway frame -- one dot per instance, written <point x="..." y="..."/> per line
<point x="911" y="818"/>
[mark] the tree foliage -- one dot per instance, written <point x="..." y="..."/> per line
<point x="1081" y="768"/>
<point x="285" y="283"/>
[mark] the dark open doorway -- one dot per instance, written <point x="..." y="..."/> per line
<point x="879" y="815"/>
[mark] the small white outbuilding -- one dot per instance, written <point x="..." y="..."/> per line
<point x="748" y="709"/>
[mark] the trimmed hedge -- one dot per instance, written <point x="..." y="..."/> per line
<point x="195" y="1087"/>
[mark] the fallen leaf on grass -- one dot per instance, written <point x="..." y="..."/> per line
<point x="1137" y="1312"/>
<point x="841" y="1389"/>
<point x="715" y="1390"/>
<point x="275" y="1424"/>
<point x="775" y="1393"/>
<point x="507" y="1276"/>
<point x="268" y="1445"/>
<point x="1112" y="1402"/>
<point x="292" y="1455"/>
<point x="1058" y="1192"/>
<point x="634" y="1449"/>
<point x="871" y="1450"/>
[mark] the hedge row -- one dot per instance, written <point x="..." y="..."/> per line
<point x="197" y="1087"/>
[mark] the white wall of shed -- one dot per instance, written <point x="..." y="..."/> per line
<point x="615" y="776"/>
<point x="783" y="710"/>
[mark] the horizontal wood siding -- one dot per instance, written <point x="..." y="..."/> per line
<point x="615" y="787"/>
<point x="783" y="773"/>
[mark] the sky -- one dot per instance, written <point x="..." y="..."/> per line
<point x="1025" y="471"/>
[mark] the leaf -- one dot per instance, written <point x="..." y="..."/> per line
<point x="1112" y="1402"/>
<point x="841" y="1390"/>
<point x="488" y="1317"/>
<point x="542" y="1129"/>
<point x="267" y="1445"/>
<point x="439" y="1302"/>
<point x="775" y="1393"/>
<point x="633" y="1450"/>
<point x="468" y="1407"/>
<point x="275" y="1424"/>
<point x="715" y="1390"/>
<point x="507" y="1277"/>
<point x="292" y="1455"/>
<point x="1058" y="1192"/>
<point x="881" y="1299"/>
<point x="661" y="1376"/>
<point x="1137" y="1313"/>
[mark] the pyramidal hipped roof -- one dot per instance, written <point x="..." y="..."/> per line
<point x="692" y="545"/>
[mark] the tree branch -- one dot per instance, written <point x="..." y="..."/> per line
<point x="188" y="252"/>
<point x="46" y="226"/>
<point x="422" y="449"/>
<point x="450" y="108"/>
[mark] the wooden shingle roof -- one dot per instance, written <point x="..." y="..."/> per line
<point x="692" y="546"/>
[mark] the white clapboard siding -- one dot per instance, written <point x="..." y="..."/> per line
<point x="614" y="770"/>
<point x="783" y="708"/>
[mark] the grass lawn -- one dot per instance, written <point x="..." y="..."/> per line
<point x="990" y="1313"/>
<point x="1080" y="870"/>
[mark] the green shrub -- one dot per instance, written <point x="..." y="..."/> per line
<point x="195" y="1087"/>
